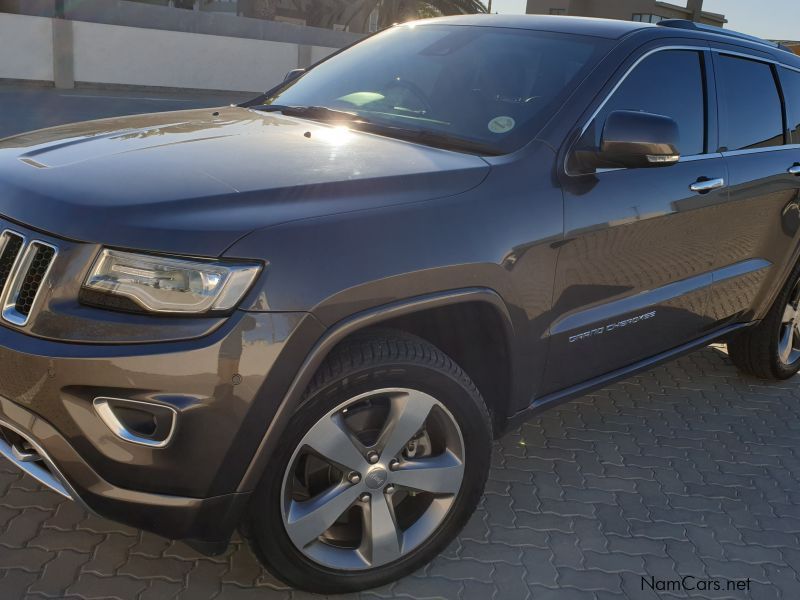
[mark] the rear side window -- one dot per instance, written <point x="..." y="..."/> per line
<point x="751" y="114"/>
<point x="791" y="91"/>
<point x="668" y="83"/>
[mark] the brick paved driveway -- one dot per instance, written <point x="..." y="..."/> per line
<point x="688" y="469"/>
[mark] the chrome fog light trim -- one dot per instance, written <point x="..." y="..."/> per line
<point x="106" y="413"/>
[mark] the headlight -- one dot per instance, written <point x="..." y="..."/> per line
<point x="168" y="285"/>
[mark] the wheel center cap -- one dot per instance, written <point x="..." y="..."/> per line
<point x="376" y="478"/>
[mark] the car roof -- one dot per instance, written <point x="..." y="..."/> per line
<point x="605" y="28"/>
<point x="611" y="29"/>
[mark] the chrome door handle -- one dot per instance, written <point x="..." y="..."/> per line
<point x="794" y="170"/>
<point x="707" y="185"/>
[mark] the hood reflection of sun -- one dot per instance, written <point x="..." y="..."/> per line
<point x="335" y="136"/>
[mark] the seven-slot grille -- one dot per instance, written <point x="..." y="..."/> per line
<point x="23" y="267"/>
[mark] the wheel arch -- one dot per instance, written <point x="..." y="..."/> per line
<point x="413" y="312"/>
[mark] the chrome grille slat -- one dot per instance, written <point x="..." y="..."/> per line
<point x="11" y="244"/>
<point x="23" y="270"/>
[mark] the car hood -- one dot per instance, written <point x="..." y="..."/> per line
<point x="194" y="182"/>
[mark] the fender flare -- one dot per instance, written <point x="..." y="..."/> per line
<point x="336" y="334"/>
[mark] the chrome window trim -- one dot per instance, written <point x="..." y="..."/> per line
<point x="763" y="59"/>
<point x="683" y="159"/>
<point x="16" y="278"/>
<point x="627" y="73"/>
<point x="697" y="48"/>
<point x="106" y="414"/>
<point x="783" y="148"/>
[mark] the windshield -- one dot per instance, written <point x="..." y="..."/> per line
<point x="490" y="87"/>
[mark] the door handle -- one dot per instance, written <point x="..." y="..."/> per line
<point x="794" y="169"/>
<point x="706" y="185"/>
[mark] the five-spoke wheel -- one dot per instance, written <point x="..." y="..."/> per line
<point x="789" y="338"/>
<point x="378" y="470"/>
<point x="373" y="478"/>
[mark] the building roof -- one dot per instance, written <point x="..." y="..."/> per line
<point x="716" y="17"/>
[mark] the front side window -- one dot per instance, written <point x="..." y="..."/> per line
<point x="791" y="92"/>
<point x="491" y="86"/>
<point x="751" y="114"/>
<point x="668" y="83"/>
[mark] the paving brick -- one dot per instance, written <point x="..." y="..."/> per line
<point x="24" y="527"/>
<point x="424" y="588"/>
<point x="91" y="586"/>
<point x="462" y="569"/>
<point x="31" y="559"/>
<point x="490" y="552"/>
<point x="59" y="573"/>
<point x="636" y="546"/>
<point x="565" y="550"/>
<point x="588" y="579"/>
<point x="539" y="568"/>
<point x="754" y="554"/>
<point x="509" y="581"/>
<point x="15" y="582"/>
<point x="110" y="554"/>
<point x="518" y="536"/>
<point x="55" y="539"/>
<point x="170" y="569"/>
<point x="204" y="581"/>
<point x="244" y="567"/>
<point x="158" y="589"/>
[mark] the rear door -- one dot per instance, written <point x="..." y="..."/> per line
<point x="635" y="268"/>
<point x="757" y="225"/>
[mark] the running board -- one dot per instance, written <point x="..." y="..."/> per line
<point x="585" y="387"/>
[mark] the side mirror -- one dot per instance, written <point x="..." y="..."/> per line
<point x="634" y="140"/>
<point x="293" y="74"/>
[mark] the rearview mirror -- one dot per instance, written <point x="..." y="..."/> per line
<point x="634" y="140"/>
<point x="293" y="74"/>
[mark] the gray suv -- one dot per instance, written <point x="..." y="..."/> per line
<point x="307" y="316"/>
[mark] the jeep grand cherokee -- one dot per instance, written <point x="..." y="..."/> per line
<point x="308" y="315"/>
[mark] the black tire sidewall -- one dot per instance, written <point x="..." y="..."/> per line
<point x="780" y="369"/>
<point x="268" y="532"/>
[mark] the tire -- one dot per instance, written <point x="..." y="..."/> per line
<point x="771" y="349"/>
<point x="375" y="374"/>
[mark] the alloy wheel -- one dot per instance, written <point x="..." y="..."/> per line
<point x="373" y="479"/>
<point x="789" y="336"/>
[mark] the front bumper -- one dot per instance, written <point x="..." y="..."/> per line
<point x="224" y="388"/>
<point x="203" y="520"/>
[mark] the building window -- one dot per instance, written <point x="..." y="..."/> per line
<point x="372" y="26"/>
<point x="558" y="11"/>
<point x="647" y="18"/>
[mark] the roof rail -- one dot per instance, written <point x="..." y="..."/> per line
<point x="687" y="24"/>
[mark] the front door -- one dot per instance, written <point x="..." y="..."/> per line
<point x="635" y="268"/>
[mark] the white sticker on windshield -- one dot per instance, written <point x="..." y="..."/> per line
<point x="501" y="124"/>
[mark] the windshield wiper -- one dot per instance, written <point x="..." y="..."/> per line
<point x="420" y="136"/>
<point x="429" y="138"/>
<point x="316" y="113"/>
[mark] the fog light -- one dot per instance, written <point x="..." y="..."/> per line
<point x="138" y="422"/>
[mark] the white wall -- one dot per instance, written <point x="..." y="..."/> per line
<point x="26" y="47"/>
<point x="114" y="54"/>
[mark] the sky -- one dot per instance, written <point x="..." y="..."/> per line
<point x="771" y="19"/>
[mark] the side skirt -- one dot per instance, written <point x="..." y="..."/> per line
<point x="581" y="389"/>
